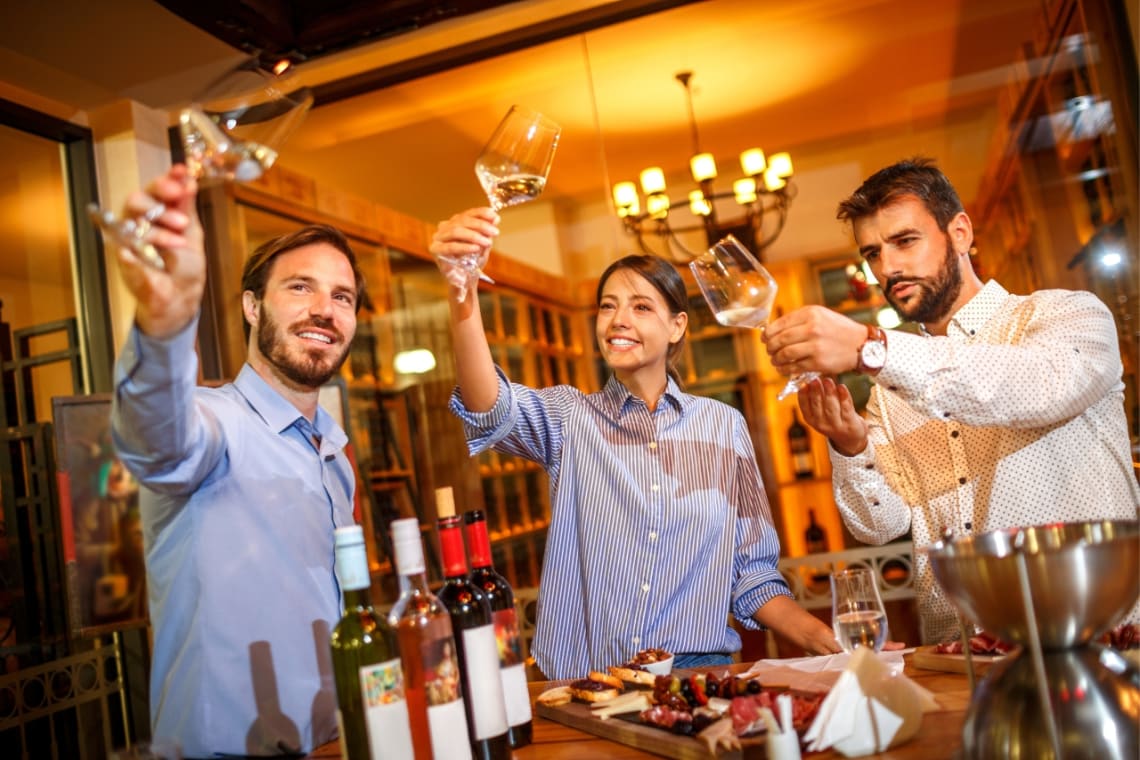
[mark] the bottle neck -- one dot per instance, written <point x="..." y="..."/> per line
<point x="451" y="548"/>
<point x="357" y="599"/>
<point x="478" y="542"/>
<point x="409" y="551"/>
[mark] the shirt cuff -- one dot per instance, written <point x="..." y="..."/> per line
<point x="153" y="361"/>
<point x="484" y="429"/>
<point x="746" y="604"/>
<point x="908" y="361"/>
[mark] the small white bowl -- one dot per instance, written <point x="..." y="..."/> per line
<point x="661" y="667"/>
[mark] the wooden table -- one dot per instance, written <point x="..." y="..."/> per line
<point x="939" y="737"/>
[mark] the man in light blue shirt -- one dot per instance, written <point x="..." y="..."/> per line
<point x="242" y="485"/>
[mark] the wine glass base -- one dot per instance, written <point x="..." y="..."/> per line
<point x="795" y="383"/>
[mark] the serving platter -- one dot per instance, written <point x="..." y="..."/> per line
<point x="929" y="658"/>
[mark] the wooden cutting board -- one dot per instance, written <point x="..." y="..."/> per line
<point x="632" y="732"/>
<point x="928" y="658"/>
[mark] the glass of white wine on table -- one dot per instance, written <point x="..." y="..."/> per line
<point x="230" y="133"/>
<point x="857" y="612"/>
<point x="740" y="292"/>
<point x="512" y="168"/>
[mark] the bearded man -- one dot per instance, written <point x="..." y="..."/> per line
<point x="242" y="486"/>
<point x="1005" y="411"/>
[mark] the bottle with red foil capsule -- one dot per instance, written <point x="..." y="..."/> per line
<point x="502" y="598"/>
<point x="436" y="712"/>
<point x="475" y="636"/>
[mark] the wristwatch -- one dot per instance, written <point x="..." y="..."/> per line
<point x="873" y="352"/>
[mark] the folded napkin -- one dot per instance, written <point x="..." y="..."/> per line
<point x="869" y="709"/>
<point x="816" y="673"/>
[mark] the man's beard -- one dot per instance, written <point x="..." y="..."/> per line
<point x="311" y="370"/>
<point x="936" y="296"/>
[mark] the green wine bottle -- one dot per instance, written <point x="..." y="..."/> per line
<point x="372" y="714"/>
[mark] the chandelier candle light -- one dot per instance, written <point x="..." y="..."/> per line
<point x="764" y="190"/>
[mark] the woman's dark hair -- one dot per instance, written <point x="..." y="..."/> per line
<point x="665" y="278"/>
<point x="255" y="274"/>
<point x="917" y="177"/>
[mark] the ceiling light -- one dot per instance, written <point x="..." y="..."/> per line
<point x="762" y="196"/>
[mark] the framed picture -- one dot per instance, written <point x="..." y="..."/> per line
<point x="99" y="516"/>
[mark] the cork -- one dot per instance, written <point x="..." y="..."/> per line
<point x="444" y="502"/>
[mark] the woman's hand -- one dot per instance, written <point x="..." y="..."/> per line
<point x="468" y="233"/>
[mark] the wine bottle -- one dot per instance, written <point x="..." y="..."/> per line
<point x="372" y="713"/>
<point x="800" y="445"/>
<point x="436" y="712"/>
<point x="502" y="598"/>
<point x="814" y="535"/>
<point x="475" y="634"/>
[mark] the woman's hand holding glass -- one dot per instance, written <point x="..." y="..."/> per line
<point x="468" y="235"/>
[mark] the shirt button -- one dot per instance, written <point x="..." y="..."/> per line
<point x="652" y="445"/>
<point x="655" y="488"/>
<point x="636" y="640"/>
<point x="962" y="481"/>
<point x="953" y="433"/>
<point x="645" y="587"/>
<point x="869" y="466"/>
<point x="652" y="535"/>
<point x="946" y="415"/>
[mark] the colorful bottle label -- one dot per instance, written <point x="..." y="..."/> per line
<point x="386" y="711"/>
<point x="447" y="719"/>
<point x="512" y="669"/>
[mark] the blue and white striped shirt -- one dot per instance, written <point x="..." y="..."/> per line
<point x="659" y="528"/>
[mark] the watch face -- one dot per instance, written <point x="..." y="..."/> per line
<point x="873" y="354"/>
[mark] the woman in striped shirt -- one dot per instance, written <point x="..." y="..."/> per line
<point x="660" y="527"/>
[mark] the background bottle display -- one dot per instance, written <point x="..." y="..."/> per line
<point x="814" y="535"/>
<point x="475" y="635"/>
<point x="436" y="712"/>
<point x="800" y="446"/>
<point x="499" y="593"/>
<point x="372" y="712"/>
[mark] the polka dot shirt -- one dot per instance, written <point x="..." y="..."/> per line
<point x="1014" y="418"/>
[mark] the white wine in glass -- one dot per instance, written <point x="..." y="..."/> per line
<point x="740" y="292"/>
<point x="512" y="168"/>
<point x="230" y="133"/>
<point x="857" y="613"/>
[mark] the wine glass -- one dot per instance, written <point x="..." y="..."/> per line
<point x="857" y="612"/>
<point x="512" y="168"/>
<point x="740" y="292"/>
<point x="230" y="133"/>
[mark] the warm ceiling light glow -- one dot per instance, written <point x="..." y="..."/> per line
<point x="752" y="162"/>
<point x="698" y="204"/>
<point x="652" y="181"/>
<point x="657" y="205"/>
<point x="744" y="190"/>
<point x="414" y="361"/>
<point x="282" y="66"/>
<point x="625" y="199"/>
<point x="772" y="180"/>
<point x="703" y="167"/>
<point x="780" y="164"/>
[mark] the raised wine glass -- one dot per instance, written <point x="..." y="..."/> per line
<point x="857" y="612"/>
<point x="740" y="292"/>
<point x="230" y="133"/>
<point x="512" y="167"/>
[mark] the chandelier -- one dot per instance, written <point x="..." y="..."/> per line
<point x="761" y="200"/>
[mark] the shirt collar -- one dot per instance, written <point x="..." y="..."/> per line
<point x="278" y="413"/>
<point x="616" y="397"/>
<point x="970" y="319"/>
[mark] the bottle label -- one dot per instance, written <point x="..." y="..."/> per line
<point x="385" y="711"/>
<point x="481" y="655"/>
<point x="448" y="725"/>
<point x="515" y="694"/>
<point x="507" y="637"/>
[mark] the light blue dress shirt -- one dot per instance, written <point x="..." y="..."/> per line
<point x="238" y="508"/>
<point x="660" y="526"/>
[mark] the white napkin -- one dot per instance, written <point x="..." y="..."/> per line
<point x="868" y="709"/>
<point x="816" y="673"/>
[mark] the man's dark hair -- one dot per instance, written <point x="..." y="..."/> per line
<point x="917" y="177"/>
<point x="255" y="274"/>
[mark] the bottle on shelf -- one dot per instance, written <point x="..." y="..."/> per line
<point x="814" y="535"/>
<point x="436" y="711"/>
<point x="799" y="443"/>
<point x="512" y="669"/>
<point x="474" y="629"/>
<point x="372" y="713"/>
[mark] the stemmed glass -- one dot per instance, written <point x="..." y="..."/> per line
<point x="230" y="133"/>
<point x="857" y="612"/>
<point x="512" y="168"/>
<point x="740" y="292"/>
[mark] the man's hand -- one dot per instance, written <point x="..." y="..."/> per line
<point x="468" y="233"/>
<point x="828" y="408"/>
<point x="167" y="299"/>
<point x="814" y="339"/>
